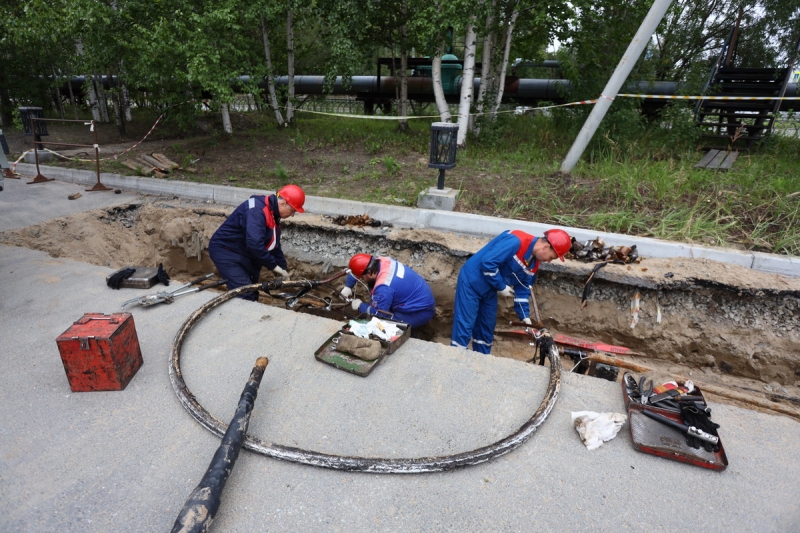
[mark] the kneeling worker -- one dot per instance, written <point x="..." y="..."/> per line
<point x="398" y="293"/>
<point x="250" y="238"/>
<point x="507" y="265"/>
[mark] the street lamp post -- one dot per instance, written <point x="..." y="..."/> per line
<point x="443" y="148"/>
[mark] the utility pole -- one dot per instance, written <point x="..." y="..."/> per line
<point x="635" y="49"/>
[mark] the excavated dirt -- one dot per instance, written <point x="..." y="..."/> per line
<point x="719" y="323"/>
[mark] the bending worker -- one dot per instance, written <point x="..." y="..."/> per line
<point x="250" y="238"/>
<point x="507" y="266"/>
<point x="398" y="293"/>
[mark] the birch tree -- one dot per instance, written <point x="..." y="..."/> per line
<point x="465" y="100"/>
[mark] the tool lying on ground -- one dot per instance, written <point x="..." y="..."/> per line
<point x="169" y="296"/>
<point x="677" y="427"/>
<point x="689" y="431"/>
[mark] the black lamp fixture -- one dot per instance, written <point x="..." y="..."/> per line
<point x="444" y="136"/>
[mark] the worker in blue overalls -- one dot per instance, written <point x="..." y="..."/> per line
<point x="507" y="266"/>
<point x="398" y="293"/>
<point x="250" y="238"/>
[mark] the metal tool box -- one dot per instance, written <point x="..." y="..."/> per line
<point x="655" y="438"/>
<point x="100" y="352"/>
<point x="328" y="354"/>
<point x="142" y="278"/>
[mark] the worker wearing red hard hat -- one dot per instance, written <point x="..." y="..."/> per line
<point x="250" y="238"/>
<point x="397" y="292"/>
<point x="507" y="265"/>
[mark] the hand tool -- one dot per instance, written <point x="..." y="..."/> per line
<point x="169" y="296"/>
<point x="683" y="428"/>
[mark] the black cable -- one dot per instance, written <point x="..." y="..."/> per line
<point x="338" y="462"/>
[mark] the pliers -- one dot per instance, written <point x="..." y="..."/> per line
<point x="169" y="297"/>
<point x="645" y="393"/>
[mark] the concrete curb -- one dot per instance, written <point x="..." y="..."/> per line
<point x="423" y="218"/>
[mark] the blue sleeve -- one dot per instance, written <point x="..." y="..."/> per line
<point x="257" y="236"/>
<point x="502" y="250"/>
<point x="350" y="281"/>
<point x="382" y="298"/>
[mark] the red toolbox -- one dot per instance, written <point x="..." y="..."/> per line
<point x="100" y="352"/>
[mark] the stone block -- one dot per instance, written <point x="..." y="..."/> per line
<point x="442" y="199"/>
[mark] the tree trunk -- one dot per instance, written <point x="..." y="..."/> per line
<point x="94" y="101"/>
<point x="119" y="112"/>
<point x="273" y="97"/>
<point x="466" y="82"/>
<point x="59" y="102"/>
<point x="102" y="98"/>
<point x="226" y="118"/>
<point x="6" y="108"/>
<point x="438" y="91"/>
<point x="72" y="95"/>
<point x="403" y="124"/>
<point x="485" y="90"/>
<point x="290" y="67"/>
<point x="126" y="102"/>
<point x="501" y="79"/>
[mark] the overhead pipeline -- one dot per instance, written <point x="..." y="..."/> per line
<point x="525" y="91"/>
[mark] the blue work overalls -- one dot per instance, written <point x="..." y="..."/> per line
<point x="503" y="261"/>
<point x="250" y="238"/>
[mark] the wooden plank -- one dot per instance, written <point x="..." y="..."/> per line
<point x="136" y="166"/>
<point x="166" y="161"/>
<point x="729" y="160"/>
<point x="703" y="163"/>
<point x="718" y="159"/>
<point x="155" y="163"/>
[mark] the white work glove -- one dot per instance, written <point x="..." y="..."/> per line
<point x="346" y="293"/>
<point x="527" y="321"/>
<point x="508" y="292"/>
<point x="281" y="272"/>
<point x="355" y="304"/>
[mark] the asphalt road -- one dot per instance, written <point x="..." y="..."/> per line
<point x="127" y="460"/>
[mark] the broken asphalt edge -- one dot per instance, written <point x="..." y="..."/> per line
<point x="412" y="217"/>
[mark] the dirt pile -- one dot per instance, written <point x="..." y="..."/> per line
<point x="695" y="316"/>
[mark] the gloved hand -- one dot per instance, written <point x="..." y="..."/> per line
<point x="355" y="304"/>
<point x="346" y="293"/>
<point x="527" y="320"/>
<point x="162" y="275"/>
<point x="508" y="292"/>
<point x="281" y="272"/>
<point x="116" y="278"/>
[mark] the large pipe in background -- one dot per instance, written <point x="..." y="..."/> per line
<point x="524" y="91"/>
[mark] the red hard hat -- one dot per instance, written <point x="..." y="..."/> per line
<point x="559" y="240"/>
<point x="359" y="263"/>
<point x="294" y="196"/>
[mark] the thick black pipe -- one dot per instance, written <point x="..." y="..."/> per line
<point x="203" y="504"/>
<point x="518" y="90"/>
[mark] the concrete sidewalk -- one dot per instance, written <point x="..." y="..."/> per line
<point x="425" y="218"/>
<point x="127" y="460"/>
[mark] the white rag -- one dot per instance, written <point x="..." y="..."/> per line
<point x="597" y="428"/>
<point x="377" y="327"/>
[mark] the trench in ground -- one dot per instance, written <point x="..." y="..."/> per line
<point x="709" y="329"/>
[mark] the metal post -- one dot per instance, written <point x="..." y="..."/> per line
<point x="97" y="186"/>
<point x="635" y="49"/>
<point x="39" y="178"/>
<point x="440" y="184"/>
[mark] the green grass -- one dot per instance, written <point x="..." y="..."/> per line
<point x="636" y="177"/>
